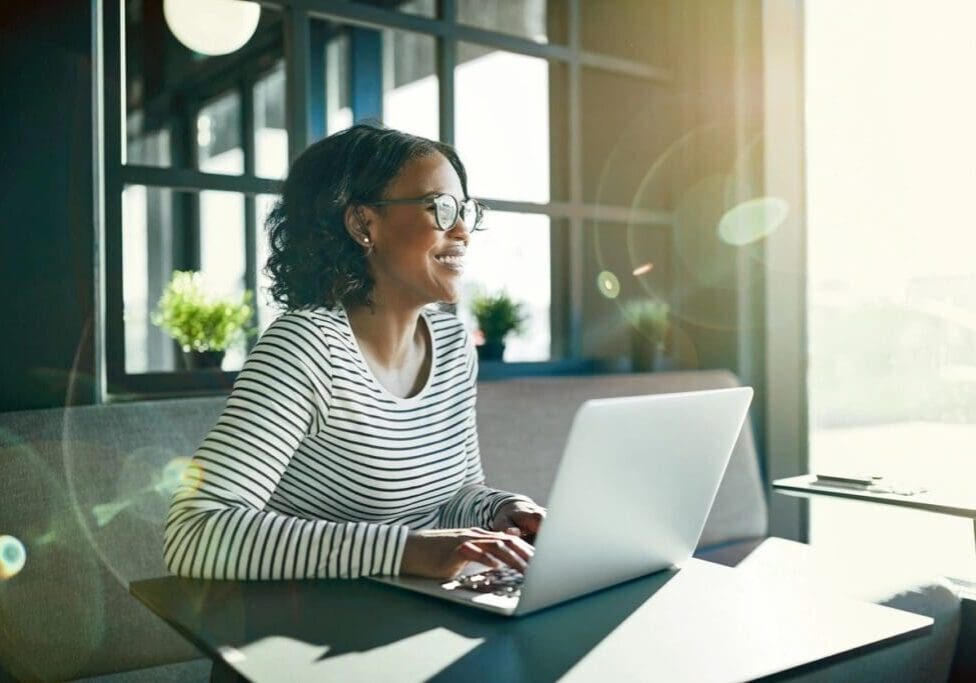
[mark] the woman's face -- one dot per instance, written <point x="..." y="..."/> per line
<point x="413" y="263"/>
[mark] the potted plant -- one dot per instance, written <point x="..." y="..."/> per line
<point x="650" y="321"/>
<point x="202" y="324"/>
<point x="497" y="316"/>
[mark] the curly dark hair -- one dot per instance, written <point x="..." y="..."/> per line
<point x="314" y="261"/>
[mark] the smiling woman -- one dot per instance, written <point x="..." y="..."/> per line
<point x="348" y="445"/>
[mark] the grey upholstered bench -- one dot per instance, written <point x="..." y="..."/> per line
<point x="86" y="490"/>
<point x="81" y="490"/>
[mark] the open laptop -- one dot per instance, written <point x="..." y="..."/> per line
<point x="633" y="490"/>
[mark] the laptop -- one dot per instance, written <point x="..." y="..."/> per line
<point x="633" y="490"/>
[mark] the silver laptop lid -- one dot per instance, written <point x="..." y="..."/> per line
<point x="633" y="490"/>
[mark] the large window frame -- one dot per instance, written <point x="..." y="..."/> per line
<point x="568" y="231"/>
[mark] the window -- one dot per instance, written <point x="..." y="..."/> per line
<point x="202" y="135"/>
<point x="206" y="139"/>
<point x="892" y="282"/>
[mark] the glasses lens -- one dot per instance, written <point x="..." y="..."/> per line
<point x="472" y="212"/>
<point x="447" y="211"/>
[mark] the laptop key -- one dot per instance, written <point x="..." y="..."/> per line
<point x="502" y="581"/>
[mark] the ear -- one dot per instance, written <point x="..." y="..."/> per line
<point x="357" y="223"/>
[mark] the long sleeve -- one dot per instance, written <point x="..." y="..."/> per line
<point x="475" y="504"/>
<point x="218" y="525"/>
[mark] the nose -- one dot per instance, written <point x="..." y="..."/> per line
<point x="460" y="230"/>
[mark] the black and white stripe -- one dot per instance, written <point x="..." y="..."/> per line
<point x="315" y="470"/>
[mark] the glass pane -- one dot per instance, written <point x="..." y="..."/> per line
<point x="424" y="8"/>
<point x="270" y="134"/>
<point x="638" y="30"/>
<point x="147" y="147"/>
<point x="628" y="147"/>
<point x="524" y="18"/>
<point x="168" y="86"/>
<point x="410" y="89"/>
<point x="521" y="243"/>
<point x="266" y="309"/>
<point x="219" y="147"/>
<point x="222" y="255"/>
<point x="147" y="261"/>
<point x="623" y="266"/>
<point x="155" y="242"/>
<point x="338" y="98"/>
<point x="891" y="294"/>
<point x="378" y="75"/>
<point x="502" y="130"/>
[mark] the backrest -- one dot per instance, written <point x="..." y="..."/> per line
<point x="523" y="425"/>
<point x="85" y="490"/>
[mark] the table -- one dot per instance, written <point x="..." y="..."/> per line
<point x="953" y="503"/>
<point x="703" y="622"/>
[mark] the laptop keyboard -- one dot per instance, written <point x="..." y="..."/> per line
<point x="503" y="581"/>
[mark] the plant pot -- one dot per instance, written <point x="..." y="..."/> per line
<point x="643" y="352"/>
<point x="203" y="360"/>
<point x="491" y="350"/>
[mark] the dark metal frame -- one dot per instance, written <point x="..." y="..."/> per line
<point x="567" y="234"/>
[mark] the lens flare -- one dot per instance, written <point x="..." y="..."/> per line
<point x="191" y="477"/>
<point x="13" y="556"/>
<point x="106" y="512"/>
<point x="643" y="269"/>
<point x="177" y="471"/>
<point x="173" y="474"/>
<point x="752" y="220"/>
<point x="608" y="284"/>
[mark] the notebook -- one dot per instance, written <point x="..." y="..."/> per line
<point x="631" y="495"/>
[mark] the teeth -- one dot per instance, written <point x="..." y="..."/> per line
<point x="451" y="260"/>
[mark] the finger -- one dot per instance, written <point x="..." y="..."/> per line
<point x="529" y="522"/>
<point x="471" y="552"/>
<point x="525" y="549"/>
<point x="506" y="554"/>
<point x="514" y="531"/>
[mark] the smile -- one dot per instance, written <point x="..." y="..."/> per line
<point x="452" y="262"/>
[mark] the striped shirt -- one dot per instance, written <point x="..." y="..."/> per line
<point x="314" y="469"/>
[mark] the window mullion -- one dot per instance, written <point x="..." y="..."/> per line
<point x="247" y="130"/>
<point x="446" y="64"/>
<point x="114" y="141"/>
<point x="297" y="78"/>
<point x="576" y="241"/>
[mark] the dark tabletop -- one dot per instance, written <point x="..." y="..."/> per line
<point x="704" y="622"/>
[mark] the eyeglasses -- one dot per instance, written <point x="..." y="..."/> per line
<point x="447" y="208"/>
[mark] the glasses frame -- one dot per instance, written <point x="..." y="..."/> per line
<point x="480" y="209"/>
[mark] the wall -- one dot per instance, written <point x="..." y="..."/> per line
<point x="46" y="193"/>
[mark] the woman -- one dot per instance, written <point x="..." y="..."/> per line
<point x="348" y="445"/>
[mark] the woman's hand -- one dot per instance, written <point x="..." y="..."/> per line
<point x="442" y="553"/>
<point x="520" y="518"/>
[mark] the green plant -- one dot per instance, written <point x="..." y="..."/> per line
<point x="196" y="319"/>
<point x="497" y="316"/>
<point x="649" y="317"/>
